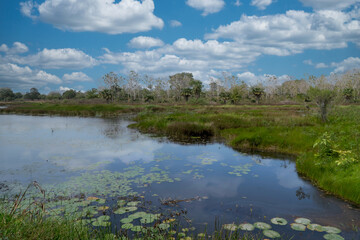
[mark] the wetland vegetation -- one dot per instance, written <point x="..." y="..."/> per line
<point x="131" y="181"/>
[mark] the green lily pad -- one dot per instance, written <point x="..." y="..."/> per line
<point x="271" y="234"/>
<point x="103" y="218"/>
<point x="230" y="227"/>
<point x="164" y="226"/>
<point x="136" y="228"/>
<point x="123" y="210"/>
<point x="262" y="225"/>
<point x="148" y="218"/>
<point x="201" y="235"/>
<point x="330" y="230"/>
<point x="303" y="221"/>
<point x="315" y="227"/>
<point x="137" y="215"/>
<point x="332" y="236"/>
<point x="126" y="220"/>
<point x="246" y="227"/>
<point x="133" y="204"/>
<point x="181" y="235"/>
<point x="279" y="221"/>
<point x="101" y="223"/>
<point x="121" y="203"/>
<point x="298" y="227"/>
<point x="127" y="226"/>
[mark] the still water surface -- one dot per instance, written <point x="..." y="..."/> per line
<point x="91" y="156"/>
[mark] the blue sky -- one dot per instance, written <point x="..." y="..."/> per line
<point x="60" y="44"/>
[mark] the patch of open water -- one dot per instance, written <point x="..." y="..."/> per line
<point x="109" y="169"/>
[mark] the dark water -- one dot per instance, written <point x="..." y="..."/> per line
<point x="208" y="182"/>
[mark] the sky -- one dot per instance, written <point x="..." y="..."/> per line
<point x="55" y="45"/>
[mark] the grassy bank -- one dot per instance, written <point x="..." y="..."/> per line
<point x="333" y="164"/>
<point x="71" y="108"/>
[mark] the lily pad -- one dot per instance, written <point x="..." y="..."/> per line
<point x="298" y="227"/>
<point x="332" y="236"/>
<point x="136" y="228"/>
<point x="126" y="220"/>
<point x="127" y="226"/>
<point x="246" y="227"/>
<point x="121" y="203"/>
<point x="330" y="230"/>
<point x="103" y="218"/>
<point x="133" y="204"/>
<point x="271" y="234"/>
<point x="315" y="227"/>
<point x="279" y="221"/>
<point x="148" y="218"/>
<point x="103" y="208"/>
<point x="262" y="225"/>
<point x="230" y="227"/>
<point x="137" y="215"/>
<point x="125" y="210"/>
<point x="303" y="221"/>
<point x="164" y="226"/>
<point x="101" y="223"/>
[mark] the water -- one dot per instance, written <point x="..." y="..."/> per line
<point x="103" y="158"/>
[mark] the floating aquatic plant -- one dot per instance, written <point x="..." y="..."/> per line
<point x="262" y="225"/>
<point x="127" y="226"/>
<point x="315" y="227"/>
<point x="271" y="234"/>
<point x="298" y="227"/>
<point x="164" y="226"/>
<point x="332" y="236"/>
<point x="330" y="230"/>
<point x="246" y="227"/>
<point x="279" y="221"/>
<point x="230" y="227"/>
<point x="303" y="221"/>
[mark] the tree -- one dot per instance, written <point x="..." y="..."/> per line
<point x="69" y="94"/>
<point x="257" y="91"/>
<point x="112" y="82"/>
<point x="6" y="94"/>
<point x="18" y="95"/>
<point x="186" y="93"/>
<point x="348" y="94"/>
<point x="196" y="87"/>
<point x="178" y="82"/>
<point x="91" y="94"/>
<point x="54" y="96"/>
<point x="106" y="94"/>
<point x="33" y="94"/>
<point x="224" y="96"/>
<point x="322" y="93"/>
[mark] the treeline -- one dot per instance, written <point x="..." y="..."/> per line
<point x="228" y="89"/>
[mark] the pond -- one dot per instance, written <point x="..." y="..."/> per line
<point x="112" y="175"/>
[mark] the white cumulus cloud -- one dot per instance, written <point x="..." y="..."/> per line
<point x="17" y="48"/>
<point x="261" y="4"/>
<point x="14" y="76"/>
<point x="207" y="6"/>
<point x="329" y="4"/>
<point x="294" y="31"/>
<point x="65" y="58"/>
<point x="347" y="64"/>
<point x="145" y="42"/>
<point x="76" y="77"/>
<point x="106" y="16"/>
